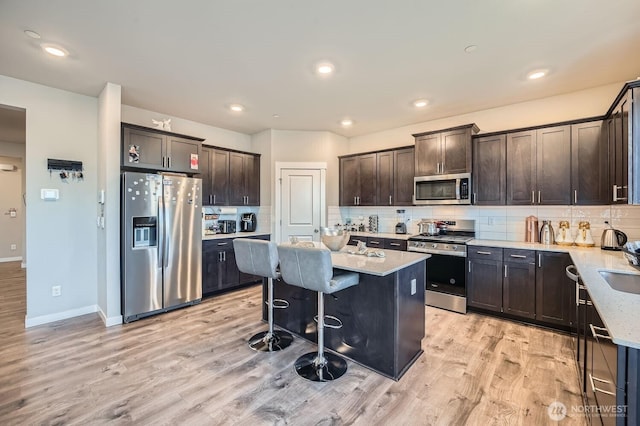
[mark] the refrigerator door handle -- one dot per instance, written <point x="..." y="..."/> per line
<point x="161" y="235"/>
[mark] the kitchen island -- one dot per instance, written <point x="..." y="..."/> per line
<point x="383" y="316"/>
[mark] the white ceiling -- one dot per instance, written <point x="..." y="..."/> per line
<point x="191" y="59"/>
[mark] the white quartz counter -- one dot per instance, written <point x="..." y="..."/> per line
<point x="618" y="310"/>
<point x="392" y="262"/>
<point x="234" y="235"/>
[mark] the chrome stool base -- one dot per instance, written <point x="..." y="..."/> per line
<point x="333" y="369"/>
<point x="277" y="341"/>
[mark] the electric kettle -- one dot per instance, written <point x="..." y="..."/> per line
<point x="546" y="233"/>
<point x="564" y="234"/>
<point x="584" y="238"/>
<point x="612" y="239"/>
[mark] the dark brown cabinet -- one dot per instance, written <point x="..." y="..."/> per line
<point x="589" y="163"/>
<point x="149" y="149"/>
<point x="619" y="150"/>
<point x="394" y="183"/>
<point x="519" y="284"/>
<point x="445" y="151"/>
<point x="230" y="178"/>
<point x="358" y="175"/>
<point x="538" y="166"/>
<point x="489" y="170"/>
<point x="244" y="179"/>
<point x="484" y="278"/>
<point x="219" y="269"/>
<point x="382" y="243"/>
<point x="385" y="177"/>
<point x="555" y="293"/>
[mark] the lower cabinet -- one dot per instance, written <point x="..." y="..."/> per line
<point x="219" y="269"/>
<point x="527" y="284"/>
<point x="379" y="243"/>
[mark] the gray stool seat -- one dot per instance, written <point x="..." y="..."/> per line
<point x="259" y="257"/>
<point x="311" y="268"/>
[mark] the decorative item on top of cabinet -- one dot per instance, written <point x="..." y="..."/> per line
<point x="158" y="150"/>
<point x="444" y="151"/>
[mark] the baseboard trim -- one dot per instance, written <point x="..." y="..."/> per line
<point x="45" y="319"/>
<point x="109" y="321"/>
<point x="10" y="259"/>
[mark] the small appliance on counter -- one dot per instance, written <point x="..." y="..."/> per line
<point x="248" y="222"/>
<point x="546" y="233"/>
<point x="531" y="234"/>
<point x="564" y="234"/>
<point x="428" y="227"/>
<point x="227" y="226"/>
<point x="401" y="226"/>
<point x="373" y="223"/>
<point x="612" y="239"/>
<point x="584" y="238"/>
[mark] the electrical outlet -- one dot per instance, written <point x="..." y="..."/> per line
<point x="56" y="290"/>
<point x="14" y="247"/>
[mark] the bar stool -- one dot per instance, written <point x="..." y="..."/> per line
<point x="259" y="257"/>
<point x="311" y="268"/>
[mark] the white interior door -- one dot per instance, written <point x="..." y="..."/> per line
<point x="301" y="204"/>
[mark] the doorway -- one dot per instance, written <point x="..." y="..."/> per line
<point x="300" y="201"/>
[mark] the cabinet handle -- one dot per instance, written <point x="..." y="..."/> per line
<point x="615" y="193"/>
<point x="575" y="196"/>
<point x="469" y="266"/>
<point x="577" y="291"/>
<point x="473" y="198"/>
<point x="210" y="199"/>
<point x="214" y="198"/>
<point x="539" y="260"/>
<point x="377" y="243"/>
<point x="595" y="334"/>
<point x="220" y="256"/>
<point x="533" y="197"/>
<point x="390" y="201"/>
<point x="539" y="197"/>
<point x="163" y="157"/>
<point x="169" y="161"/>
<point x="222" y="244"/>
<point x="484" y="252"/>
<point x="394" y="244"/>
<point x="505" y="271"/>
<point x="518" y="256"/>
<point x="595" y="389"/>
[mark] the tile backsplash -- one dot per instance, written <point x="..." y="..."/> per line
<point x="499" y="222"/>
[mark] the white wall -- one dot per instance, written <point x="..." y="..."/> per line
<point x="61" y="237"/>
<point x="583" y="104"/>
<point x="9" y="149"/>
<point x="109" y="107"/>
<point x="212" y="135"/>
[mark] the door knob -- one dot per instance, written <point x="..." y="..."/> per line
<point x="315" y="231"/>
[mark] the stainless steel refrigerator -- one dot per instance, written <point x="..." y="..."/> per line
<point x="161" y="253"/>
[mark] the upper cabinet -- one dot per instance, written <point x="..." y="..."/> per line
<point x="589" y="163"/>
<point x="230" y="178"/>
<point x="151" y="149"/>
<point x="444" y="151"/>
<point x="489" y="170"/>
<point x="382" y="178"/>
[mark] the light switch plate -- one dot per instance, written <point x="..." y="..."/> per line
<point x="50" y="194"/>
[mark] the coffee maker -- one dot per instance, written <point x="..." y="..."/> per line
<point x="248" y="222"/>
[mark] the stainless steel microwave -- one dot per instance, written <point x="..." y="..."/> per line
<point x="442" y="189"/>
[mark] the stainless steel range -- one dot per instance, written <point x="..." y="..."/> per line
<point x="446" y="272"/>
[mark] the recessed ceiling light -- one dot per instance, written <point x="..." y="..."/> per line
<point x="325" y="68"/>
<point x="236" y="107"/>
<point x="32" y="34"/>
<point x="347" y="122"/>
<point x="534" y="75"/>
<point x="420" y="103"/>
<point x="276" y="115"/>
<point x="470" y="48"/>
<point x="54" y="50"/>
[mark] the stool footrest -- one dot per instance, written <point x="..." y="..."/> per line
<point x="280" y="304"/>
<point x="337" y="325"/>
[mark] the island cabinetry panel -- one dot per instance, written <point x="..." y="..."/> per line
<point x="382" y="317"/>
<point x="157" y="150"/>
<point x="230" y="178"/>
<point x="589" y="163"/>
<point x="484" y="278"/>
<point x="519" y="283"/>
<point x="489" y="170"/>
<point x="444" y="152"/>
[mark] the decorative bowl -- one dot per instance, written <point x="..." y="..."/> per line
<point x="334" y="239"/>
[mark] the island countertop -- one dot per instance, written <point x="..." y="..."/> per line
<point x="393" y="261"/>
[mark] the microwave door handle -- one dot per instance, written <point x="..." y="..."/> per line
<point x="458" y="188"/>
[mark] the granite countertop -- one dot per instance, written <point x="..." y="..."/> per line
<point x="380" y="235"/>
<point x="234" y="235"/>
<point x="393" y="261"/>
<point x="618" y="310"/>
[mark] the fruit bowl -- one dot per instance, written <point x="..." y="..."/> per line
<point x="334" y="239"/>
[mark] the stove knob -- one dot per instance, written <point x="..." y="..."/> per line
<point x="434" y="245"/>
<point x="423" y="245"/>
<point x="454" y="247"/>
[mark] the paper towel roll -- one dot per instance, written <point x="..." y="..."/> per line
<point x="228" y="210"/>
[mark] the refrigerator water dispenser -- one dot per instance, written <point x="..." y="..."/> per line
<point x="145" y="231"/>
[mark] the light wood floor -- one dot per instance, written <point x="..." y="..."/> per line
<point x="193" y="367"/>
